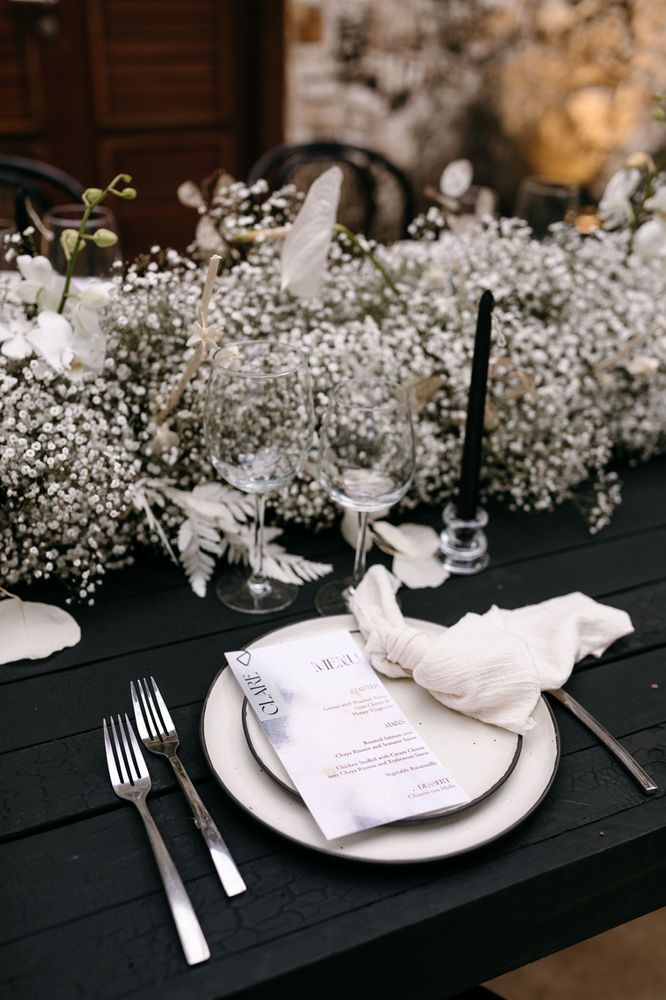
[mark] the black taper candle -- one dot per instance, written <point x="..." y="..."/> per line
<point x="468" y="493"/>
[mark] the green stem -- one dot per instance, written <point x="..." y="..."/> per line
<point x="73" y="257"/>
<point x="71" y="263"/>
<point x="339" y="228"/>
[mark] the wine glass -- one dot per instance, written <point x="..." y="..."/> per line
<point x="258" y="427"/>
<point x="366" y="462"/>
<point x="93" y="261"/>
<point x="542" y="202"/>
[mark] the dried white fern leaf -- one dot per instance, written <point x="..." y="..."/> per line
<point x="290" y="568"/>
<point x="199" y="544"/>
<point x="241" y="505"/>
<point x="278" y="563"/>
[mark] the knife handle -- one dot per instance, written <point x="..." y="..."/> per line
<point x="641" y="777"/>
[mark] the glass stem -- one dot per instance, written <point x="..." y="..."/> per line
<point x="359" y="557"/>
<point x="257" y="581"/>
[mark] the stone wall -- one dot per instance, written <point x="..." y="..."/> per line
<point x="555" y="87"/>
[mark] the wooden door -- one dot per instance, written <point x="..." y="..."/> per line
<point x="166" y="90"/>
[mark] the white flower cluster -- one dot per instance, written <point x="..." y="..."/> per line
<point x="567" y="392"/>
<point x="71" y="342"/>
<point x="636" y="197"/>
<point x="578" y="376"/>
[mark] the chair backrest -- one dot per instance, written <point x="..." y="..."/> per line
<point x="43" y="184"/>
<point x="377" y="197"/>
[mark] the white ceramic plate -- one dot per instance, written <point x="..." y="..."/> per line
<point x="480" y="757"/>
<point x="245" y="780"/>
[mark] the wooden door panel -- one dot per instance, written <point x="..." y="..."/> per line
<point x="21" y="83"/>
<point x="159" y="164"/>
<point x="161" y="64"/>
<point x="163" y="89"/>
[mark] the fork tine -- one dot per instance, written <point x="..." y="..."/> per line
<point x="138" y="714"/>
<point x="164" y="711"/>
<point x="131" y="766"/>
<point x="147" y="714"/>
<point x="110" y="759"/>
<point x="119" y="756"/>
<point x="136" y="751"/>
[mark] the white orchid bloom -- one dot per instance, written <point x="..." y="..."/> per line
<point x="615" y="205"/>
<point x="456" y="178"/>
<point x="15" y="339"/>
<point x="657" y="203"/>
<point x="50" y="336"/>
<point x="41" y="285"/>
<point x="307" y="243"/>
<point x="650" y="239"/>
<point x="89" y="341"/>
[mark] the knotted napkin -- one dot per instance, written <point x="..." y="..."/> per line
<point x="492" y="666"/>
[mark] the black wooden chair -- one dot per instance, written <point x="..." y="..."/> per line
<point x="377" y="197"/>
<point x="41" y="184"/>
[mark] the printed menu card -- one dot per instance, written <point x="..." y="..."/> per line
<point x="355" y="759"/>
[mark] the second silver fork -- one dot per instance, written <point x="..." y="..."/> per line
<point x="158" y="733"/>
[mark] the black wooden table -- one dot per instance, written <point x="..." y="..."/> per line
<point x="82" y="913"/>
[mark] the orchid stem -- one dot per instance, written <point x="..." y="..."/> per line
<point x="80" y="239"/>
<point x="73" y="257"/>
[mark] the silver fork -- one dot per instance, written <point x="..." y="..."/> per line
<point x="159" y="735"/>
<point x="131" y="781"/>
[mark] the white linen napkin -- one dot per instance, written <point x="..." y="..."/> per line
<point x="492" y="666"/>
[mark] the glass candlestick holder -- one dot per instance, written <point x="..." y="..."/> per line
<point x="463" y="544"/>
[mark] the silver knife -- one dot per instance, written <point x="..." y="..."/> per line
<point x="641" y="777"/>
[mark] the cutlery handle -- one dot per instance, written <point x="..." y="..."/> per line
<point x="225" y="865"/>
<point x="623" y="756"/>
<point x="189" y="930"/>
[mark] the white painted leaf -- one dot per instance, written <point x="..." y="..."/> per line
<point x="456" y="178"/>
<point x="419" y="573"/>
<point x="31" y="630"/>
<point x="411" y="540"/>
<point x="189" y="194"/>
<point x="306" y="246"/>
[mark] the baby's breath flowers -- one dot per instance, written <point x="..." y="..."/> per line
<point x="578" y="377"/>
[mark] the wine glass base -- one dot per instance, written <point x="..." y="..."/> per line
<point x="234" y="591"/>
<point x="333" y="597"/>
